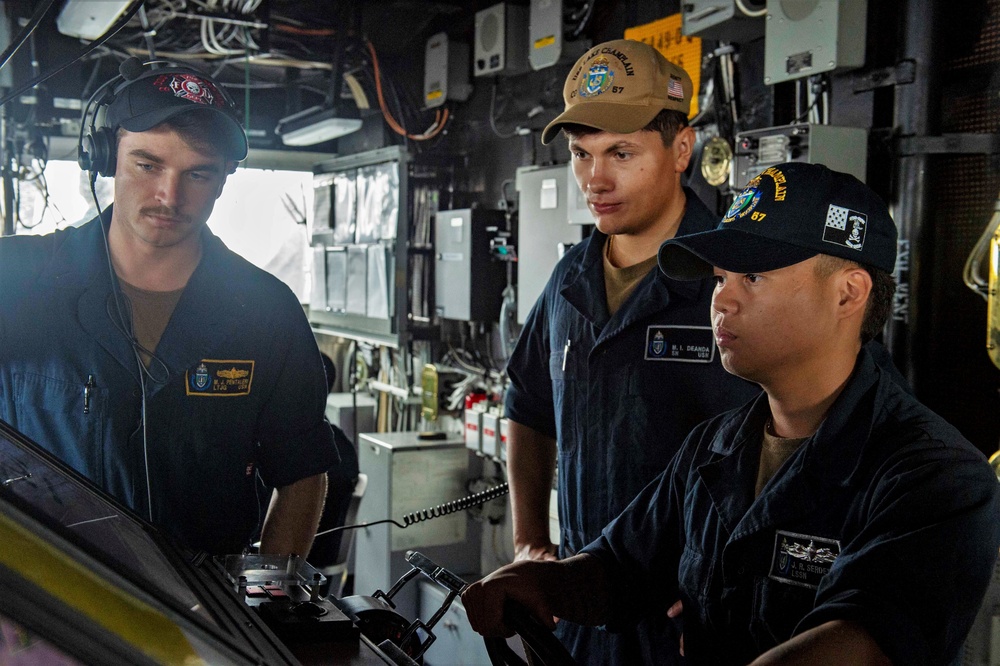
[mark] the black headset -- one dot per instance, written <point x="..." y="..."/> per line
<point x="97" y="146"/>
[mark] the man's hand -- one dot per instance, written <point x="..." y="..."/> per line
<point x="576" y="589"/>
<point x="675" y="612"/>
<point x="525" y="582"/>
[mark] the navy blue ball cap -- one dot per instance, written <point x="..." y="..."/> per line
<point x="156" y="96"/>
<point x="787" y="214"/>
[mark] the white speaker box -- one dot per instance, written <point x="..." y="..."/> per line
<point x="501" y="45"/>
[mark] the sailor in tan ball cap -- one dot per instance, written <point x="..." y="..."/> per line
<point x="616" y="361"/>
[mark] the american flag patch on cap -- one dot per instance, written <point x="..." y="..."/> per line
<point x="674" y="88"/>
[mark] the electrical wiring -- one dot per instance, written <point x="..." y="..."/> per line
<point x="147" y="33"/>
<point x="311" y="32"/>
<point x="582" y="18"/>
<point x="36" y="18"/>
<point x="440" y="118"/>
<point x="729" y="84"/>
<point x="39" y="183"/>
<point x="492" y="115"/>
<point x="817" y="95"/>
<point x="752" y="13"/>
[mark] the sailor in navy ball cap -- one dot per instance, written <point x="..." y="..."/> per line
<point x="833" y="518"/>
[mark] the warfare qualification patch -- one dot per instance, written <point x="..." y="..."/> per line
<point x="803" y="560"/>
<point x="219" y="378"/>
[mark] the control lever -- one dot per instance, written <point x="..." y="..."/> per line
<point x="378" y="620"/>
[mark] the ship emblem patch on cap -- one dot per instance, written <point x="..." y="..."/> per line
<point x="190" y="87"/>
<point x="598" y="80"/>
<point x="743" y="204"/>
<point x="845" y="227"/>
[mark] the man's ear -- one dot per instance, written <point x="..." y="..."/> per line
<point x="854" y="286"/>
<point x="683" y="147"/>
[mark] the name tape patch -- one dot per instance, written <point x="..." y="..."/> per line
<point x="684" y="344"/>
<point x="218" y="378"/>
<point x="800" y="559"/>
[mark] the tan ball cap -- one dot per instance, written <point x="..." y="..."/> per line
<point x="620" y="86"/>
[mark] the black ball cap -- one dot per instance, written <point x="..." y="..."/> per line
<point x="159" y="95"/>
<point x="787" y="214"/>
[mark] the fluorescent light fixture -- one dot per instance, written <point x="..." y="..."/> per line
<point x="89" y="19"/>
<point x="315" y="125"/>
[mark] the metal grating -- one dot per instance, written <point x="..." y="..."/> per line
<point x="963" y="384"/>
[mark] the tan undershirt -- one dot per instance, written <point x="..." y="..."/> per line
<point x="151" y="311"/>
<point x="774" y="451"/>
<point x="619" y="283"/>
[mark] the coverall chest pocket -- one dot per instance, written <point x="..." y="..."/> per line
<point x="65" y="416"/>
<point x="778" y="607"/>
<point x="568" y="380"/>
<point x="694" y="575"/>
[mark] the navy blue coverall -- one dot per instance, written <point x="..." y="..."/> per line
<point x="619" y="394"/>
<point x="886" y="516"/>
<point x="245" y="393"/>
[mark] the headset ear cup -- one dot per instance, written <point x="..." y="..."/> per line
<point x="99" y="152"/>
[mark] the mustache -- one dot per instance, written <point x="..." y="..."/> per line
<point x="165" y="211"/>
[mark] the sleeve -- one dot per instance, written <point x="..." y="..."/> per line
<point x="916" y="574"/>
<point x="641" y="548"/>
<point x="295" y="440"/>
<point x="528" y="400"/>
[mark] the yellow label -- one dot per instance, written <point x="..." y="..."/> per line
<point x="545" y="41"/>
<point x="665" y="36"/>
<point x="434" y="94"/>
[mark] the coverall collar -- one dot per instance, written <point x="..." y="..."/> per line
<point x="585" y="291"/>
<point x="81" y="262"/>
<point x="832" y="454"/>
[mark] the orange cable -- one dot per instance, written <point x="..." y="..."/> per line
<point x="440" y="118"/>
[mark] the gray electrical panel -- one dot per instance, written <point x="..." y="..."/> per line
<point x="468" y="282"/>
<point x="806" y="37"/>
<point x="501" y="45"/>
<point x="408" y="474"/>
<point x="543" y="229"/>
<point x="722" y="20"/>
<point x="545" y="33"/>
<point x="352" y="413"/>
<point x="446" y="71"/>
<point x="840" y="148"/>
